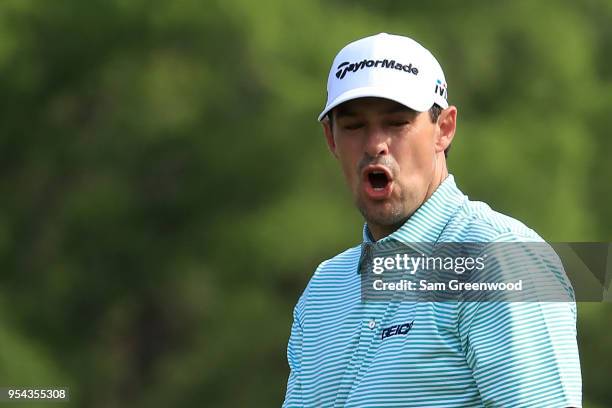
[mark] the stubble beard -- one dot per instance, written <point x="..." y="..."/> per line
<point x="387" y="214"/>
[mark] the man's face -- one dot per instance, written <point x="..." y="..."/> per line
<point x="390" y="156"/>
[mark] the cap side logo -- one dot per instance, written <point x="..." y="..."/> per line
<point x="441" y="89"/>
<point x="346" y="66"/>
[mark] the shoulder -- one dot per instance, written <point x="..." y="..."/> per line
<point x="514" y="251"/>
<point x="477" y="221"/>
<point x="331" y="277"/>
<point x="337" y="267"/>
<point x="342" y="260"/>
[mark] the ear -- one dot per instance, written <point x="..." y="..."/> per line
<point x="447" y="124"/>
<point x="329" y="136"/>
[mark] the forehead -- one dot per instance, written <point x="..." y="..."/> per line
<point x="370" y="105"/>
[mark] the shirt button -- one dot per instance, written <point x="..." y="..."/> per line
<point x="372" y="324"/>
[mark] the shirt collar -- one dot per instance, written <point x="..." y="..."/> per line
<point x="429" y="220"/>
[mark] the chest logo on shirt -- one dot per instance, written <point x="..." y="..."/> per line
<point x="403" y="328"/>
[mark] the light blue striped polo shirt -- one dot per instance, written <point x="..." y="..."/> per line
<point x="449" y="354"/>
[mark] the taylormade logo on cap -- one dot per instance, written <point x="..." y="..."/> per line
<point x="354" y="67"/>
<point x="386" y="66"/>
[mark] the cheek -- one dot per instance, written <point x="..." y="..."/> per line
<point x="416" y="156"/>
<point x="349" y="171"/>
<point x="349" y="156"/>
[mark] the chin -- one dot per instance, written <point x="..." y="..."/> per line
<point x="383" y="214"/>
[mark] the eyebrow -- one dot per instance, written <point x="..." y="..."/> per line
<point x="343" y="112"/>
<point x="401" y="109"/>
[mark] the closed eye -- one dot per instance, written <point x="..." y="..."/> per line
<point x="353" y="126"/>
<point x="400" y="123"/>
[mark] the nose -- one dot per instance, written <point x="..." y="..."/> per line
<point x="377" y="143"/>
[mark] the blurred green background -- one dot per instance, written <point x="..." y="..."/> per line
<point x="166" y="191"/>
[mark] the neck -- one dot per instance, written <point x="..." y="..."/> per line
<point x="439" y="177"/>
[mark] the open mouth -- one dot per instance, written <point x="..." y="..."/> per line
<point x="378" y="182"/>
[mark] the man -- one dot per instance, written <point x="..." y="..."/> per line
<point x="388" y="123"/>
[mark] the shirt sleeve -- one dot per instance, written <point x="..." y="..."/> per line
<point x="524" y="353"/>
<point x="293" y="396"/>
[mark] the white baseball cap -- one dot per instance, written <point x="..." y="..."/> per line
<point x="386" y="66"/>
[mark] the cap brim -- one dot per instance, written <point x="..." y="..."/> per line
<point x="405" y="98"/>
